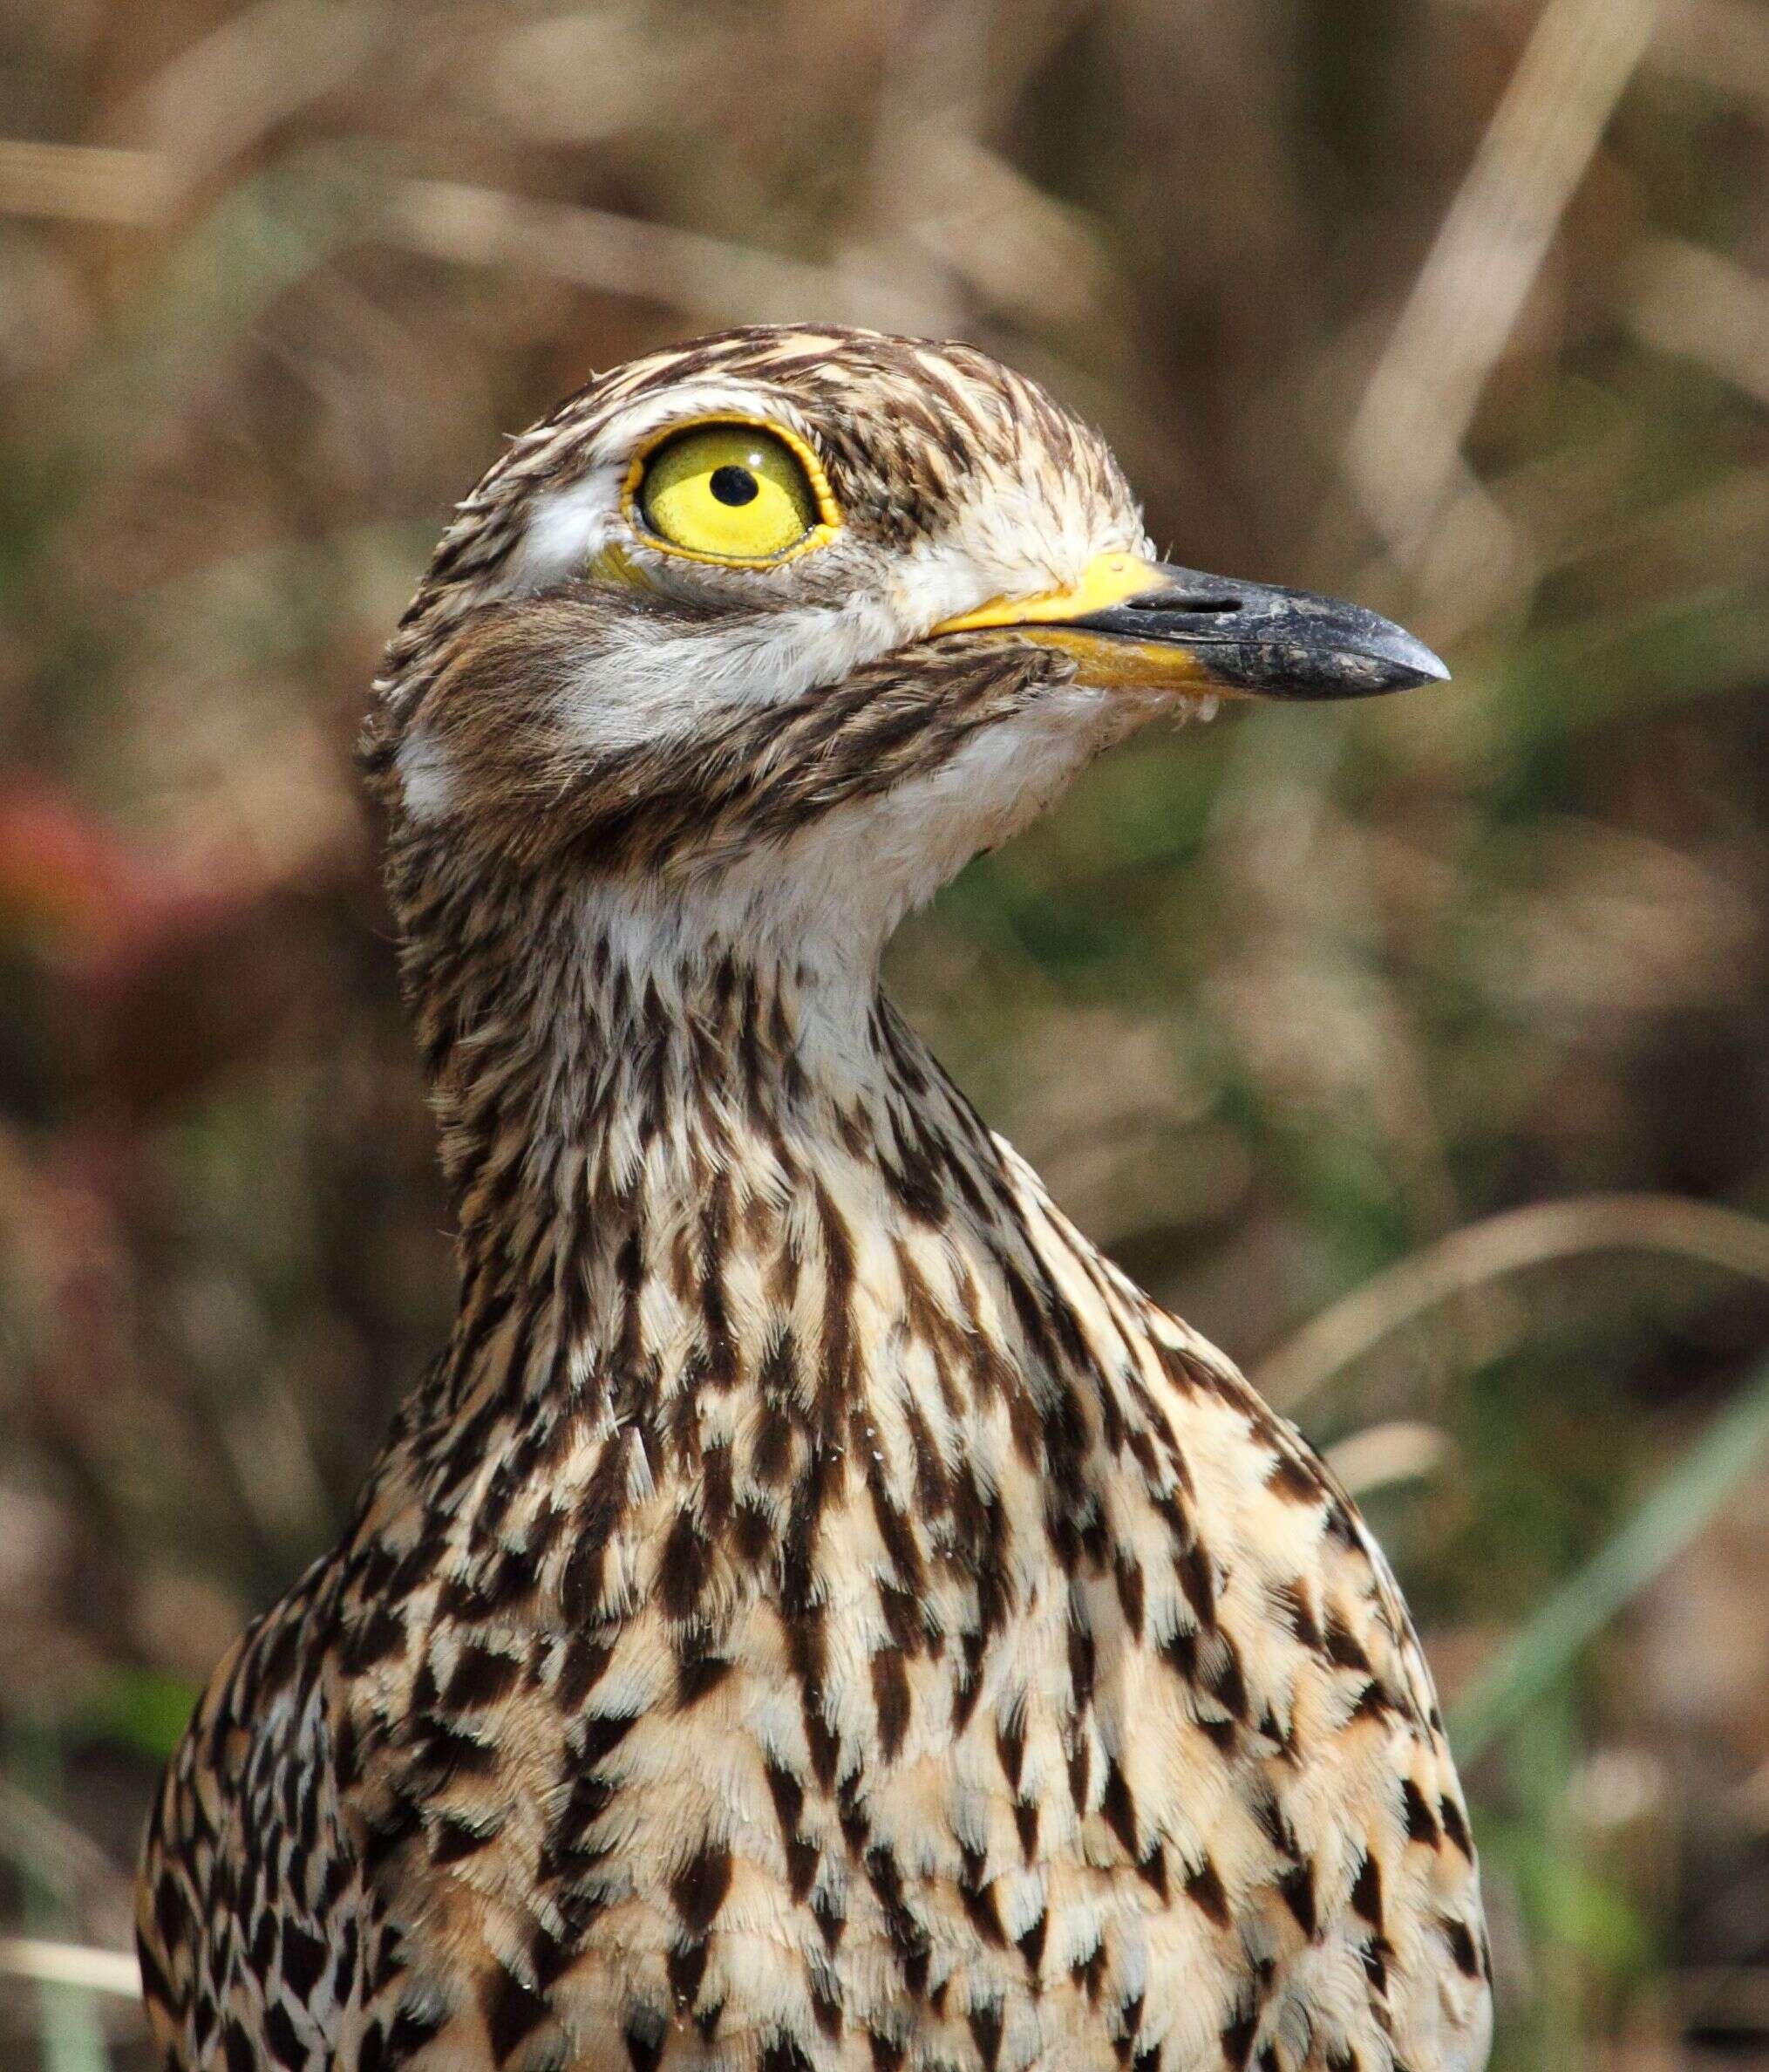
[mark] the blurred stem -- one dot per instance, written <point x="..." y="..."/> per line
<point x="68" y="2031"/>
<point x="47" y="1850"/>
<point x="1547" y="1754"/>
<point x="1724" y="1456"/>
<point x="1596" y="670"/>
<point x="70" y="1965"/>
<point x="1505" y="1244"/>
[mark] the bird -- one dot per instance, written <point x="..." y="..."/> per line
<point x="817" y="1614"/>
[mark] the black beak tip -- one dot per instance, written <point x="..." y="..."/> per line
<point x="1406" y="663"/>
<point x="1361" y="656"/>
<point x="1357" y="654"/>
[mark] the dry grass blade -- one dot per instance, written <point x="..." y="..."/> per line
<point x="708" y="278"/>
<point x="51" y="1850"/>
<point x="1720" y="45"/>
<point x="1501" y="1244"/>
<point x="1403" y="451"/>
<point x="1376" y="1458"/>
<point x="233" y="85"/>
<point x="86" y="183"/>
<point x="1708" y="309"/>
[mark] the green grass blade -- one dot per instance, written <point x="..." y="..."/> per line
<point x="1715" y="1464"/>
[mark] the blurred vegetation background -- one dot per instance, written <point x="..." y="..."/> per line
<point x="1419" y="1054"/>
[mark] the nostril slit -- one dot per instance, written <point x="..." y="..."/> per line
<point x="1171" y="600"/>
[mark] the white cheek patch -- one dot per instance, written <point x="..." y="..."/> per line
<point x="426" y="781"/>
<point x="646" y="683"/>
<point x="566" y="530"/>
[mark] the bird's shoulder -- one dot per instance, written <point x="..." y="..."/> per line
<point x="260" y="1919"/>
<point x="1296" y="1653"/>
<point x="252" y="1925"/>
<point x="1269" y="1494"/>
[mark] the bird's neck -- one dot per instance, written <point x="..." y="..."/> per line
<point x="677" y="1156"/>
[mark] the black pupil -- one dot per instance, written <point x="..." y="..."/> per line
<point x="733" y="485"/>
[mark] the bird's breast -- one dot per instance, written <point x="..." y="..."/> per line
<point x="1000" y="1718"/>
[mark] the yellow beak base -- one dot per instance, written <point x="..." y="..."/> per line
<point x="1107" y="580"/>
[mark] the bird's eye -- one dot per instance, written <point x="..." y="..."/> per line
<point x="729" y="493"/>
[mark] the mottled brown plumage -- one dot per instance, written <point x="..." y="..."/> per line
<point x="817" y="1612"/>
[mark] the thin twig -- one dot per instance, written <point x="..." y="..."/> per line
<point x="1501" y="1244"/>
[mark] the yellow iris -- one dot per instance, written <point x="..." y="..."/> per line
<point x="731" y="492"/>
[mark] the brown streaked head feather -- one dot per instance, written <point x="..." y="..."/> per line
<point x="525" y="677"/>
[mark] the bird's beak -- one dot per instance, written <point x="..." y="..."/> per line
<point x="1145" y="625"/>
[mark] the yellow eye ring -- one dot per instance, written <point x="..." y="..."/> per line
<point x="730" y="492"/>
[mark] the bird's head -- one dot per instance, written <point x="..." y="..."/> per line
<point x="780" y="628"/>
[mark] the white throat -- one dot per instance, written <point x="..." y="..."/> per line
<point x="831" y="895"/>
